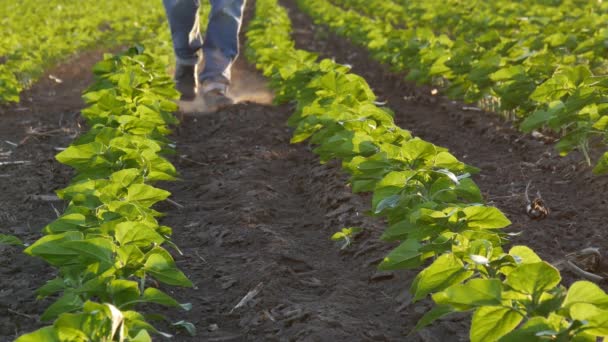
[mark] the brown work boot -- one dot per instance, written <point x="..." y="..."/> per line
<point x="185" y="81"/>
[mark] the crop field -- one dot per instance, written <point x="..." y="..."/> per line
<point x="392" y="171"/>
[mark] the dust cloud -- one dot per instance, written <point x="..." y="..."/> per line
<point x="247" y="86"/>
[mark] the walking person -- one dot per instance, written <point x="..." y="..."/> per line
<point x="220" y="48"/>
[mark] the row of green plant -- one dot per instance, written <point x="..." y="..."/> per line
<point x="548" y="66"/>
<point x="108" y="244"/>
<point x="36" y="34"/>
<point x="426" y="195"/>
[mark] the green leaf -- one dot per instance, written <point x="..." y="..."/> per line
<point x="97" y="249"/>
<point x="508" y="73"/>
<point x="398" y="231"/>
<point x="189" y="327"/>
<point x="142" y="336"/>
<point x="387" y="203"/>
<point x="162" y="267"/>
<point x="469" y="191"/>
<point x="524" y="255"/>
<point x="541" y="117"/>
<point x="490" y="323"/>
<point x="52" y="249"/>
<point x="51" y="287"/>
<point x="406" y="255"/>
<point x="137" y="234"/>
<point x="81" y="156"/>
<point x="431" y="316"/>
<point x="146" y="195"/>
<point x="602" y="165"/>
<point x="46" y="334"/>
<point x="586" y="292"/>
<point x="482" y="217"/>
<point x="476" y="292"/>
<point x="533" y="278"/>
<point x="123" y="291"/>
<point x="416" y="148"/>
<point x="535" y="329"/>
<point x="157" y="296"/>
<point x="444" y="272"/>
<point x="596" y="318"/>
<point x="66" y="222"/>
<point x="67" y="303"/>
<point x="10" y="240"/>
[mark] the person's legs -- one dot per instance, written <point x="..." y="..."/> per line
<point x="221" y="45"/>
<point x="184" y="25"/>
<point x="187" y="41"/>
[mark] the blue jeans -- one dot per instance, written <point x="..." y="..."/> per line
<point x="221" y="44"/>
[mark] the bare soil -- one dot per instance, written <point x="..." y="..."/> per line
<point x="258" y="212"/>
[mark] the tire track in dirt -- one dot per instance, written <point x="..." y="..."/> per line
<point x="507" y="158"/>
<point x="45" y="119"/>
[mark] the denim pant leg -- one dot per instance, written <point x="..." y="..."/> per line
<point x="185" y="32"/>
<point x="221" y="45"/>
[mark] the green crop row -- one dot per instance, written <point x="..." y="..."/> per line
<point x="36" y="34"/>
<point x="548" y="67"/>
<point x="426" y="195"/>
<point x="107" y="245"/>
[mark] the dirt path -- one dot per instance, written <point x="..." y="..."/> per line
<point x="508" y="159"/>
<point x="259" y="211"/>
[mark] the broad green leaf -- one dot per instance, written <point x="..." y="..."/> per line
<point x="145" y="194"/>
<point x="476" y="292"/>
<point x="52" y="249"/>
<point x="507" y="73"/>
<point x="536" y="329"/>
<point x="162" y="267"/>
<point x="142" y="336"/>
<point x="482" y="217"/>
<point x="602" y="123"/>
<point x="469" y="191"/>
<point x="46" y="334"/>
<point x="602" y="165"/>
<point x="130" y="256"/>
<point x="596" y="318"/>
<point x="586" y="292"/>
<point x="553" y="89"/>
<point x="490" y="323"/>
<point x="97" y="249"/>
<point x="137" y="234"/>
<point x="51" y="287"/>
<point x="387" y="203"/>
<point x="157" y="296"/>
<point x="416" y="148"/>
<point x="541" y="117"/>
<point x="67" y="303"/>
<point x="66" y="222"/>
<point x="431" y="316"/>
<point x="444" y="272"/>
<point x="398" y="231"/>
<point x="406" y="255"/>
<point x="86" y="156"/>
<point x="123" y="291"/>
<point x="524" y="255"/>
<point x="533" y="278"/>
